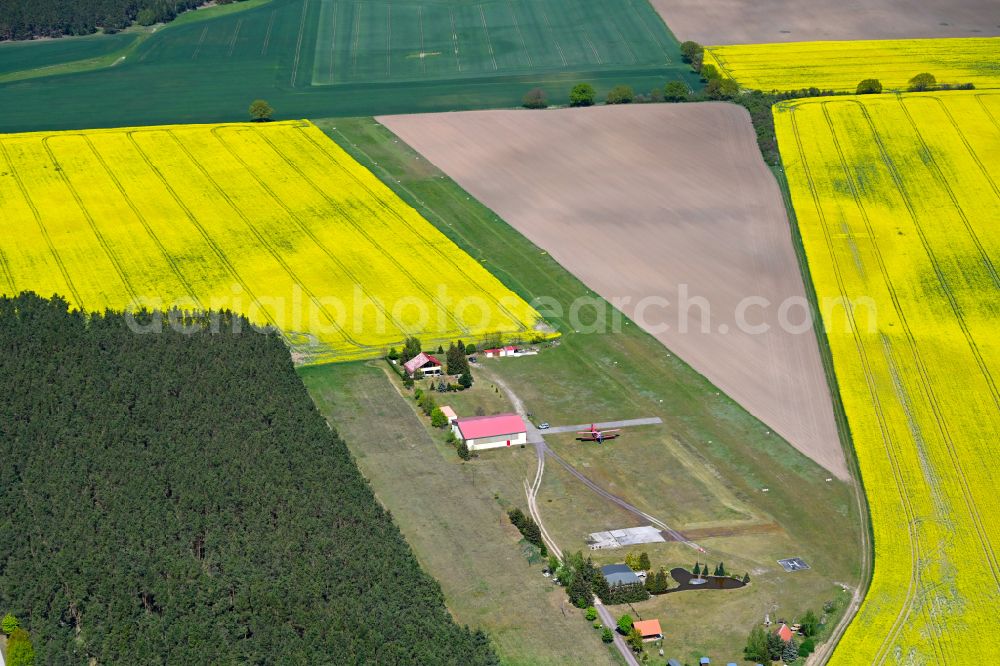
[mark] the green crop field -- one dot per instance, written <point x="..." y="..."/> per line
<point x="319" y="58"/>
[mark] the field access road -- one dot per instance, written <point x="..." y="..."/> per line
<point x="608" y="620"/>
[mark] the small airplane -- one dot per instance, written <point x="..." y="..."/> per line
<point x="595" y="435"/>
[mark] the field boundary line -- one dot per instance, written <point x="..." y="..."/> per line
<point x="298" y="43"/>
<point x="454" y="38"/>
<point x="145" y="223"/>
<point x="360" y="230"/>
<point x="263" y="241"/>
<point x="267" y="34"/>
<point x="388" y="40"/>
<point x="425" y="241"/>
<point x="41" y="225"/>
<point x="555" y="40"/>
<point x="201" y="40"/>
<point x="194" y="221"/>
<point x="356" y="38"/>
<point x="517" y="26"/>
<point x="307" y="231"/>
<point x="236" y="36"/>
<point x="649" y="31"/>
<point x="101" y="240"/>
<point x="870" y="379"/>
<point x="489" y="42"/>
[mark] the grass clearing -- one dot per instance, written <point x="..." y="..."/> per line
<point x="274" y="220"/>
<point x="628" y="374"/>
<point x="448" y="514"/>
<point x="896" y="202"/>
<point x="840" y="66"/>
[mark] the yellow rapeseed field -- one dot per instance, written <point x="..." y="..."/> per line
<point x="841" y="66"/>
<point x="275" y="221"/>
<point x="898" y="203"/>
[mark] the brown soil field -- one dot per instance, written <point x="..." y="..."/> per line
<point x="662" y="209"/>
<point x="713" y="22"/>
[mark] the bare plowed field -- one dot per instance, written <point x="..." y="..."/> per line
<point x="669" y="212"/>
<point x="762" y="21"/>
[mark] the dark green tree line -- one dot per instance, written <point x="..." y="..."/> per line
<point x="172" y="498"/>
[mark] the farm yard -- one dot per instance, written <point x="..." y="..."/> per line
<point x="706" y="226"/>
<point x="767" y="21"/>
<point x="273" y="221"/>
<point x="840" y="66"/>
<point x="896" y="199"/>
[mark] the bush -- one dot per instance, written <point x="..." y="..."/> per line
<point x="675" y="91"/>
<point x="621" y="95"/>
<point x="582" y="94"/>
<point x="869" y="87"/>
<point x="807" y="647"/>
<point x="607" y="636"/>
<point x="463" y="452"/>
<point x="438" y="419"/>
<point x="923" y="81"/>
<point x="534" y="99"/>
<point x="20" y="651"/>
<point x="470" y="349"/>
<point x="722" y="88"/>
<point x="625" y="623"/>
<point x="591" y="613"/>
<point x="709" y="72"/>
<point x="9" y="623"/>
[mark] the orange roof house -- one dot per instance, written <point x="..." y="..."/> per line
<point x="648" y="629"/>
<point x="784" y="633"/>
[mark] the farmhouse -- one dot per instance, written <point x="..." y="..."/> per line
<point x="619" y="574"/>
<point x="491" y="432"/>
<point x="648" y="629"/>
<point x="509" y="350"/>
<point x="784" y="633"/>
<point x="427" y="365"/>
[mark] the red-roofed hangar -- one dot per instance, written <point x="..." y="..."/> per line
<point x="491" y="432"/>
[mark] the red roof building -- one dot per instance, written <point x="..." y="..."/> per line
<point x="490" y="432"/>
<point x="425" y="363"/>
<point x="784" y="633"/>
<point x="648" y="629"/>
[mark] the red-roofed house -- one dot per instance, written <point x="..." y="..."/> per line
<point x="648" y="629"/>
<point x="491" y="432"/>
<point x="784" y="633"/>
<point x="426" y="364"/>
<point x="509" y="350"/>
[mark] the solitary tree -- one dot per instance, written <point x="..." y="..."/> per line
<point x="591" y="613"/>
<point x="534" y="99"/>
<point x="790" y="653"/>
<point x="582" y="94"/>
<point x="756" y="647"/>
<point x="9" y="623"/>
<point x="644" y="564"/>
<point x="809" y="623"/>
<point x="607" y="636"/>
<point x="869" y="87"/>
<point x="621" y="95"/>
<point x="692" y="53"/>
<point x="260" y="111"/>
<point x="438" y="419"/>
<point x="625" y="624"/>
<point x="675" y="91"/>
<point x="465" y="381"/>
<point x="746" y="578"/>
<point x="923" y="81"/>
<point x="463" y="451"/>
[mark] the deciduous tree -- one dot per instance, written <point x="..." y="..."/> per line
<point x="260" y="111"/>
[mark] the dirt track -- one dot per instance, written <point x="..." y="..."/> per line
<point x="713" y="22"/>
<point x="639" y="202"/>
